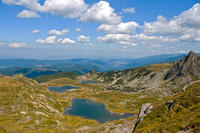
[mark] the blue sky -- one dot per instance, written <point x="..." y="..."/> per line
<point x="57" y="29"/>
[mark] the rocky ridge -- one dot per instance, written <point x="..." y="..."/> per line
<point x="188" y="67"/>
<point x="131" y="80"/>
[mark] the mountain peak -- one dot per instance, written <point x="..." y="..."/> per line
<point x="187" y="66"/>
<point x="192" y="54"/>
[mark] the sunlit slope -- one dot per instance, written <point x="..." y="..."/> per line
<point x="26" y="106"/>
<point x="180" y="112"/>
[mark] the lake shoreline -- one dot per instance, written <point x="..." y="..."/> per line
<point x="109" y="115"/>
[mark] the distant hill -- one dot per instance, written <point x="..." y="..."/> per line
<point x="33" y="68"/>
<point x="49" y="77"/>
<point x="131" y="80"/>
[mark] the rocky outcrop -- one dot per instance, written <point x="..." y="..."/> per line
<point x="186" y="67"/>
<point x="186" y="86"/>
<point x="125" y="127"/>
<point x="145" y="110"/>
<point x="131" y="80"/>
<point x="170" y="104"/>
<point x="188" y="131"/>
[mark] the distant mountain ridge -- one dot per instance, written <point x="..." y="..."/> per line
<point x="33" y="67"/>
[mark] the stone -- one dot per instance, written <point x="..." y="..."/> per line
<point x="188" y="65"/>
<point x="144" y="111"/>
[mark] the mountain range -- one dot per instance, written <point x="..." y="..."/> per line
<point x="33" y="67"/>
<point x="165" y="97"/>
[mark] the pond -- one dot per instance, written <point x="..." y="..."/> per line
<point x="88" y="81"/>
<point x="62" y="88"/>
<point x="92" y="110"/>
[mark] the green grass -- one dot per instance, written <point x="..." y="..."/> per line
<point x="27" y="107"/>
<point x="46" y="78"/>
<point x="19" y="94"/>
<point x="184" y="115"/>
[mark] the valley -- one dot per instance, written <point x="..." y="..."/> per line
<point x="31" y="106"/>
<point x="99" y="66"/>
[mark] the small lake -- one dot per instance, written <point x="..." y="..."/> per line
<point x="88" y="81"/>
<point x="62" y="88"/>
<point x="92" y="110"/>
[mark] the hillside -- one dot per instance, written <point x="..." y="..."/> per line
<point x="49" y="77"/>
<point x="177" y="113"/>
<point x="132" y="80"/>
<point x="166" y="77"/>
<point x="27" y="106"/>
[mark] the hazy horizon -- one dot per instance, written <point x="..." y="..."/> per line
<point x="95" y="58"/>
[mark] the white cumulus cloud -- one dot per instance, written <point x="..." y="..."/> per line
<point x="28" y="14"/>
<point x="66" y="41"/>
<point x="190" y="18"/>
<point x="83" y="39"/>
<point x="58" y="32"/>
<point x="149" y="39"/>
<point x="121" y="28"/>
<point x="111" y="38"/>
<point x="133" y="40"/>
<point x="17" y="45"/>
<point x="64" y="8"/>
<point x="124" y="39"/>
<point x="186" y="25"/>
<point x="53" y="40"/>
<point x="101" y="12"/>
<point x="30" y="4"/>
<point x="162" y="26"/>
<point x="128" y="10"/>
<point x="35" y="31"/>
<point x="48" y="40"/>
<point x="78" y="29"/>
<point x="156" y="45"/>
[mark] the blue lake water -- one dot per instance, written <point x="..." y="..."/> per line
<point x="92" y="110"/>
<point x="62" y="88"/>
<point x="88" y="81"/>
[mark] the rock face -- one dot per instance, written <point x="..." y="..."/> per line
<point x="170" y="105"/>
<point x="145" y="110"/>
<point x="187" y="66"/>
<point x="126" y="127"/>
<point x="131" y="80"/>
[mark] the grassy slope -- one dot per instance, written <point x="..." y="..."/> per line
<point x="25" y="106"/>
<point x="184" y="115"/>
<point x="46" y="78"/>
<point x="116" y="101"/>
<point x="29" y="107"/>
<point x="19" y="95"/>
<point x="132" y="80"/>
